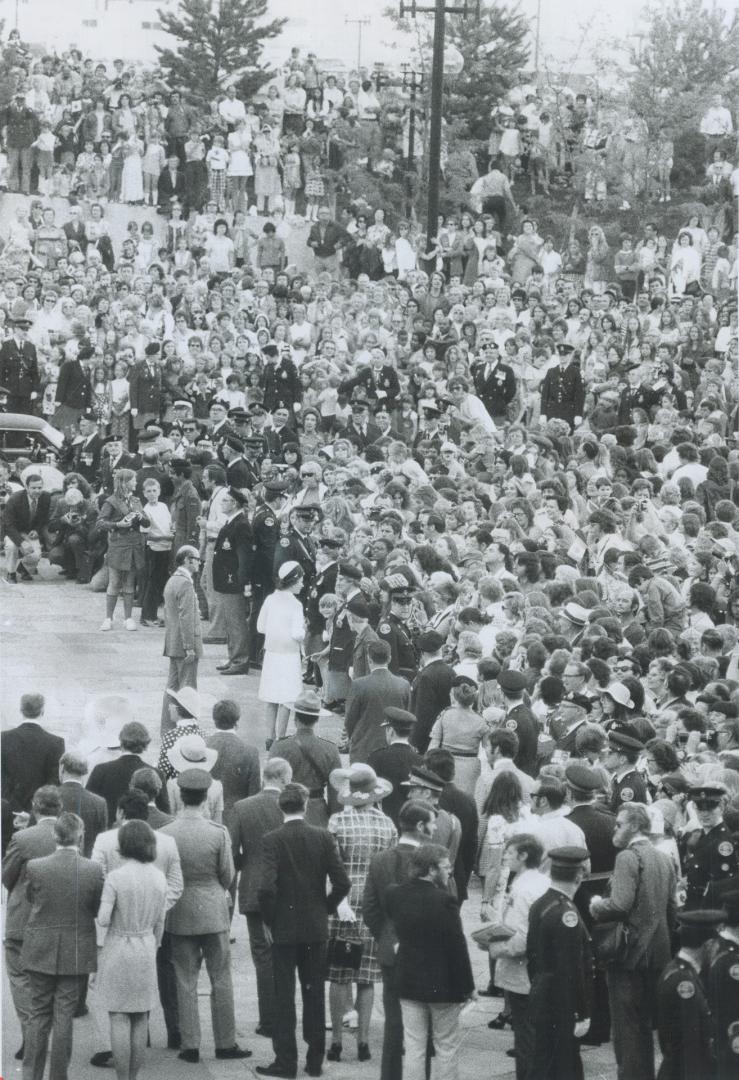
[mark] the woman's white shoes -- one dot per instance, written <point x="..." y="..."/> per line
<point x="130" y="624"/>
<point x="107" y="625"/>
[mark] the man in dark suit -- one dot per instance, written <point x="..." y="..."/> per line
<point x="233" y="557"/>
<point x="115" y="457"/>
<point x="19" y="372"/>
<point x="237" y="765"/>
<point x="395" y="761"/>
<point x="368" y="699"/>
<point x="73" y="391"/>
<point x="111" y="778"/>
<point x="598" y="825"/>
<point x="433" y="970"/>
<point x="74" y="230"/>
<point x="183" y="635"/>
<point x="87" y="448"/>
<point x="431" y="687"/>
<point x="29" y="755"/>
<point x="416" y="827"/>
<point x="296" y="860"/>
<point x="27" y="844"/>
<point x="76" y="799"/>
<point x="464" y="808"/>
<point x="59" y="946"/>
<point x="360" y="430"/>
<point x="251" y="820"/>
<point x="171" y="184"/>
<point x="238" y="473"/>
<point x="495" y="382"/>
<point x="25" y="522"/>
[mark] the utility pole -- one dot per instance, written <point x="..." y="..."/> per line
<point x="413" y="81"/>
<point x="440" y="10"/>
<point x="359" y="23"/>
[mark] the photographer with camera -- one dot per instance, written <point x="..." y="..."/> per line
<point x="71" y="524"/>
<point x="121" y="517"/>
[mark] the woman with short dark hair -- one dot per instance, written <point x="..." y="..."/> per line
<point x="132" y="912"/>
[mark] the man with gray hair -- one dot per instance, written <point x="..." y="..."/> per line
<point x="252" y="818"/>
<point x="76" y="799"/>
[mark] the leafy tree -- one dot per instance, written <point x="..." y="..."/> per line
<point x="218" y="40"/>
<point x="688" y="52"/>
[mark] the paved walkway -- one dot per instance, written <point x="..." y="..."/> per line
<point x="50" y="643"/>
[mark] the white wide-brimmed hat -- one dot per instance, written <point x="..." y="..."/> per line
<point x="190" y="752"/>
<point x="359" y="785"/>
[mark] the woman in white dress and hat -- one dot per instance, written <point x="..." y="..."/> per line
<point x="361" y="830"/>
<point x="191" y="752"/>
<point x="282" y="621"/>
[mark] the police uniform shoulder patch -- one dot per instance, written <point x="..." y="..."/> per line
<point x="284" y="542"/>
<point x="570" y="919"/>
<point x="733" y="1032"/>
<point x="511" y="725"/>
<point x="269" y="521"/>
<point x="734" y="972"/>
<point x="383" y="628"/>
<point x="627" y="794"/>
<point x="726" y="849"/>
<point x="686" y="990"/>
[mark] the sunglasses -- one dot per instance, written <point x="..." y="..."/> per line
<point x="705" y="804"/>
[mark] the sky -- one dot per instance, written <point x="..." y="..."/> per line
<point x="317" y="25"/>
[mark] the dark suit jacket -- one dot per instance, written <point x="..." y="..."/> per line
<point x="360" y="438"/>
<point x="296" y="860"/>
<point x="91" y="808"/>
<point x="73" y="387"/>
<point x="17" y="517"/>
<point x="368" y="697"/>
<point x="237" y="767"/>
<point x="31" y="843"/>
<point x="75" y="233"/>
<point x="432" y="962"/>
<point x="464" y="808"/>
<point x="110" y="780"/>
<point x="598" y="824"/>
<point x="233" y="556"/>
<point x="527" y="729"/>
<point x="30" y="759"/>
<point x="19" y="372"/>
<point x="64" y="890"/>
<point x="394" y="763"/>
<point x="239" y="474"/>
<point x="251" y="820"/>
<point x="386" y="868"/>
<point x="430" y="695"/>
<point x="146" y="389"/>
<point x="166" y="190"/>
<point x="334" y="237"/>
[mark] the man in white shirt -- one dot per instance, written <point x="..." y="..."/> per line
<point x="467" y="407"/>
<point x="716" y="125"/>
<point x="231" y="109"/>
<point x="214" y="482"/>
<point x="550" y="823"/>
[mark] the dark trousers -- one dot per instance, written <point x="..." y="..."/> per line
<point x="261" y="954"/>
<point x="309" y="959"/>
<point x="156" y="572"/>
<point x="392" y="1042"/>
<point x="168" y="987"/>
<point x="52" y="1004"/>
<point x="631" y="995"/>
<point x="519" y="1004"/>
<point x="236" y="617"/>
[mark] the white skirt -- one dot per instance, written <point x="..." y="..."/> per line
<point x="282" y="678"/>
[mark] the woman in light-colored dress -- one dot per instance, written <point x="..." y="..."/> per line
<point x="239" y="165"/>
<point x="282" y="622"/>
<point x="132" y="911"/>
<point x="132" y="177"/>
<point x="460" y="729"/>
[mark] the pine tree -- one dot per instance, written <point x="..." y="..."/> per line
<point x="495" y="51"/>
<point x="217" y="39"/>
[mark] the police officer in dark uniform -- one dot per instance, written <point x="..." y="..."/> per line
<point x="254" y="449"/>
<point x="711" y="854"/>
<point x="560" y="967"/>
<point x="562" y="390"/>
<point x="394" y="630"/>
<point x="266" y="534"/>
<point x="722" y="983"/>
<point x="341" y="642"/>
<point x="297" y="545"/>
<point x="624" y="749"/>
<point x="238" y="475"/>
<point x="520" y="719"/>
<point x="430" y="432"/>
<point x="683" y="1013"/>
<point x="324" y="583"/>
<point x="312" y="759"/>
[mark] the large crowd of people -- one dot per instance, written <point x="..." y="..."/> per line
<point x="476" y="498"/>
